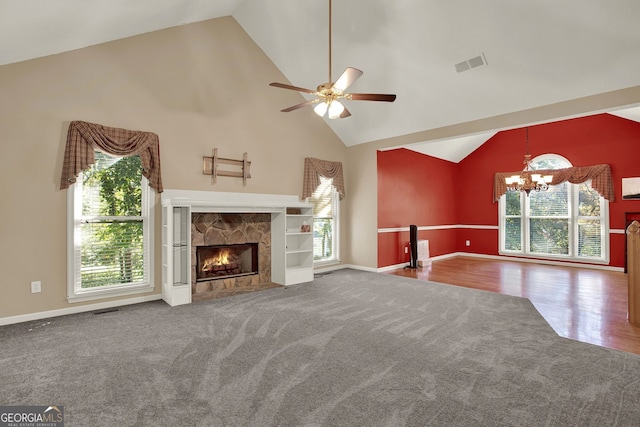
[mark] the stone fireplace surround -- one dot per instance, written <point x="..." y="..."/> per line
<point x="231" y="205"/>
<point x="210" y="228"/>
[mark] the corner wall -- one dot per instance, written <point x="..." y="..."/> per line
<point x="414" y="188"/>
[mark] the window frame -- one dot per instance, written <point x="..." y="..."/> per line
<point x="573" y="221"/>
<point x="75" y="293"/>
<point x="335" y="229"/>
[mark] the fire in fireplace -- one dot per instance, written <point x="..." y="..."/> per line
<point x="225" y="261"/>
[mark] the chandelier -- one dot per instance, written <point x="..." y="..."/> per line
<point x="527" y="181"/>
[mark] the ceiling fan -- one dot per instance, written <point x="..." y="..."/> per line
<point x="329" y="94"/>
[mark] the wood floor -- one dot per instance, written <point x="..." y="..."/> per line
<point x="586" y="305"/>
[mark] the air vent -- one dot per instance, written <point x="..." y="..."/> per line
<point x="108" y="310"/>
<point x="471" y="63"/>
<point x="463" y="66"/>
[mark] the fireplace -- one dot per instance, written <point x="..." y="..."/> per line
<point x="207" y="218"/>
<point x="226" y="261"/>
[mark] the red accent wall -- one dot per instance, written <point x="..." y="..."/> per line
<point x="414" y="188"/>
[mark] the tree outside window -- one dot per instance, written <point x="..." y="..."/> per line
<point x="111" y="247"/>
<point x="112" y="250"/>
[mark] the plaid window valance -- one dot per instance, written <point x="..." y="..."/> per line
<point x="83" y="138"/>
<point x="314" y="169"/>
<point x="600" y="176"/>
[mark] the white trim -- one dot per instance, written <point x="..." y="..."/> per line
<point x="327" y="264"/>
<point x="113" y="291"/>
<point x="335" y="224"/>
<point x="479" y="227"/>
<point x="469" y="254"/>
<point x="468" y="226"/>
<point x="544" y="261"/>
<point x="392" y="267"/>
<point x="474" y="255"/>
<point x="439" y="227"/>
<point x="512" y="258"/>
<point x="75" y="294"/>
<point x="214" y="201"/>
<point x="404" y="264"/>
<point x="343" y="266"/>
<point x="77" y="309"/>
<point x="572" y="217"/>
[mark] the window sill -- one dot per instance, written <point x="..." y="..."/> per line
<point x="110" y="292"/>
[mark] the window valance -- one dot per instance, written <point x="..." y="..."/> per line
<point x="314" y="169"/>
<point x="83" y="138"/>
<point x="600" y="176"/>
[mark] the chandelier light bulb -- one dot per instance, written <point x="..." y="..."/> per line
<point x="527" y="180"/>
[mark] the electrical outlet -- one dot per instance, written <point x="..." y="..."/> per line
<point x="406" y="250"/>
<point x="468" y="242"/>
<point x="36" y="287"/>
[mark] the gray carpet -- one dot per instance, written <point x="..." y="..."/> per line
<point x="350" y="349"/>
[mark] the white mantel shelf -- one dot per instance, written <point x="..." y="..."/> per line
<point x="291" y="249"/>
<point x="214" y="201"/>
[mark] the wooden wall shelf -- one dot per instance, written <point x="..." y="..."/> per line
<point x="210" y="167"/>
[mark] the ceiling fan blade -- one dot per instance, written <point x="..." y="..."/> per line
<point x="347" y="78"/>
<point x="345" y="113"/>
<point x="371" y="97"/>
<point x="302" y="104"/>
<point x="285" y="86"/>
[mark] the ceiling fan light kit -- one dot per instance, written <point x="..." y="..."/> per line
<point x="329" y="94"/>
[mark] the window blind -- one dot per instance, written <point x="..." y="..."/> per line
<point x="324" y="200"/>
<point x="111" y="224"/>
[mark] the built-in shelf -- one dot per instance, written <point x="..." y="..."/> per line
<point x="176" y="251"/>
<point x="299" y="245"/>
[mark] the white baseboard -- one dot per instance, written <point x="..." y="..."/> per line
<point x="76" y="309"/>
<point x="405" y="264"/>
<point x="543" y="261"/>
<point x="509" y="258"/>
<point x="136" y="300"/>
<point x="342" y="266"/>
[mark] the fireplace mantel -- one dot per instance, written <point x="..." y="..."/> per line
<point x="291" y="248"/>
<point x="213" y="201"/>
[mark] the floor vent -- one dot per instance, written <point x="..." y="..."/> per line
<point x="107" y="310"/>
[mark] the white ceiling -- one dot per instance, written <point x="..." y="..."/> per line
<point x="538" y="52"/>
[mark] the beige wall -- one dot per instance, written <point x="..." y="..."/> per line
<point x="197" y="86"/>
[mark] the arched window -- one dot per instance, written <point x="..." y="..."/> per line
<point x="568" y="221"/>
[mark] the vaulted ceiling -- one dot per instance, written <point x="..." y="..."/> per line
<point x="533" y="54"/>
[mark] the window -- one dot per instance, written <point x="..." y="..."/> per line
<point x="110" y="250"/>
<point x="568" y="221"/>
<point x="325" y="222"/>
